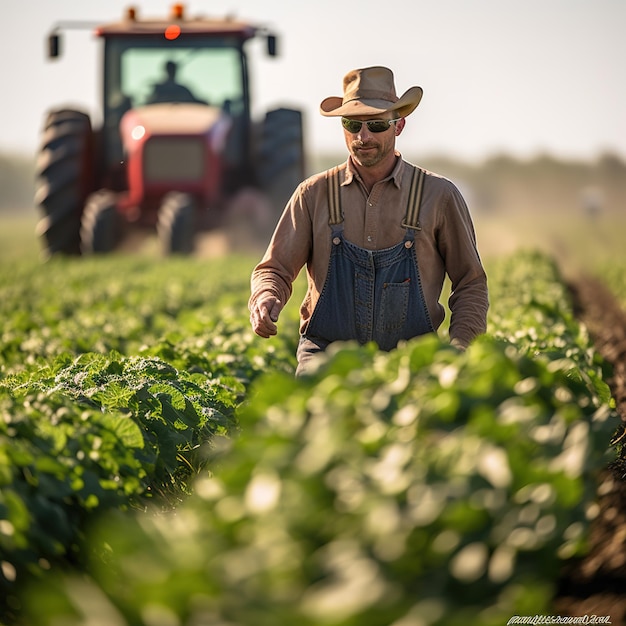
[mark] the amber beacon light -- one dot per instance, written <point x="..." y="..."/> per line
<point x="178" y="11"/>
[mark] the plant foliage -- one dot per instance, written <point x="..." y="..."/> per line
<point x="161" y="465"/>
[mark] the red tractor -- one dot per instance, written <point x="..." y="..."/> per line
<point x="177" y="140"/>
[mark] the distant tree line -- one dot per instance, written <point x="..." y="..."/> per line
<point x="505" y="183"/>
<point x="17" y="184"/>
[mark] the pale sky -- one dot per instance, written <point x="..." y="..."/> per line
<point x="516" y="76"/>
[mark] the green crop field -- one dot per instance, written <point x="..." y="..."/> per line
<point x="160" y="465"/>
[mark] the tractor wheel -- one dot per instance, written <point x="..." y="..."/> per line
<point x="280" y="163"/>
<point x="63" y="179"/>
<point x="99" y="232"/>
<point x="176" y="223"/>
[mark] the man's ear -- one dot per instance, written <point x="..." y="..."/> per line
<point x="400" y="125"/>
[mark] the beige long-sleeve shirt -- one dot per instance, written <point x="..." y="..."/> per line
<point x="446" y="243"/>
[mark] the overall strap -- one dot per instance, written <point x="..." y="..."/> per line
<point x="334" y="200"/>
<point x="411" y="219"/>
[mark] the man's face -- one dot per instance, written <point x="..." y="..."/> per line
<point x="368" y="148"/>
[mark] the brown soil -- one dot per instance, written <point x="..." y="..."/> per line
<point x="596" y="584"/>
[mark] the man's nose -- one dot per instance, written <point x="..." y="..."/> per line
<point x="364" y="131"/>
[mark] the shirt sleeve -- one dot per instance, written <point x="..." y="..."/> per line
<point x="287" y="253"/>
<point x="469" y="298"/>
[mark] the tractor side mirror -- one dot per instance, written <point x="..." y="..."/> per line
<point x="272" y="42"/>
<point x="54" y="46"/>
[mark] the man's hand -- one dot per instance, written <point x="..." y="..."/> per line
<point x="265" y="315"/>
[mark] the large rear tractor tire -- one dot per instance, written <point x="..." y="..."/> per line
<point x="176" y="226"/>
<point x="100" y="224"/>
<point x="64" y="175"/>
<point x="281" y="160"/>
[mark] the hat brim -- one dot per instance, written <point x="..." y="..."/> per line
<point x="335" y="107"/>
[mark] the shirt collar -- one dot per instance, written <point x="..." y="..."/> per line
<point x="395" y="176"/>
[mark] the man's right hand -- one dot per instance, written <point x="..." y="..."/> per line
<point x="265" y="315"/>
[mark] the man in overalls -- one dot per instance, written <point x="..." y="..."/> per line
<point x="377" y="235"/>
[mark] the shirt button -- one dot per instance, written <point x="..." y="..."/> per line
<point x="369" y="238"/>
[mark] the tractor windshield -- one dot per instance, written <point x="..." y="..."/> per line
<point x="145" y="71"/>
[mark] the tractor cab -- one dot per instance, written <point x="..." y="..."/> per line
<point x="140" y="73"/>
<point x="180" y="61"/>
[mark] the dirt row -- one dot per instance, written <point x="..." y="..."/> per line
<point x="596" y="584"/>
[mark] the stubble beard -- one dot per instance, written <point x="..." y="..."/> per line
<point x="368" y="158"/>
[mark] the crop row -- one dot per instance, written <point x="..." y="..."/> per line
<point x="114" y="376"/>
<point x="421" y="486"/>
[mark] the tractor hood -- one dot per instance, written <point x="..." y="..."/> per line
<point x="174" y="146"/>
<point x="174" y="119"/>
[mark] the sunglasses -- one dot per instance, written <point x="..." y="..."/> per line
<point x="374" y="126"/>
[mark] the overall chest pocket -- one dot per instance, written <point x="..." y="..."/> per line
<point x="394" y="303"/>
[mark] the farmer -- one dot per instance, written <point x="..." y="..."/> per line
<point x="169" y="90"/>
<point x="377" y="236"/>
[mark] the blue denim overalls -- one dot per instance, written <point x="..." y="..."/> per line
<point x="369" y="295"/>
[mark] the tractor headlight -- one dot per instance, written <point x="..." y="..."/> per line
<point x="138" y="132"/>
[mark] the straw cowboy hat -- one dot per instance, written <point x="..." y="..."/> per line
<point x="371" y="91"/>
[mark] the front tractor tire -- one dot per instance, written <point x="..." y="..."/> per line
<point x="99" y="232"/>
<point x="176" y="224"/>
<point x="64" y="174"/>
